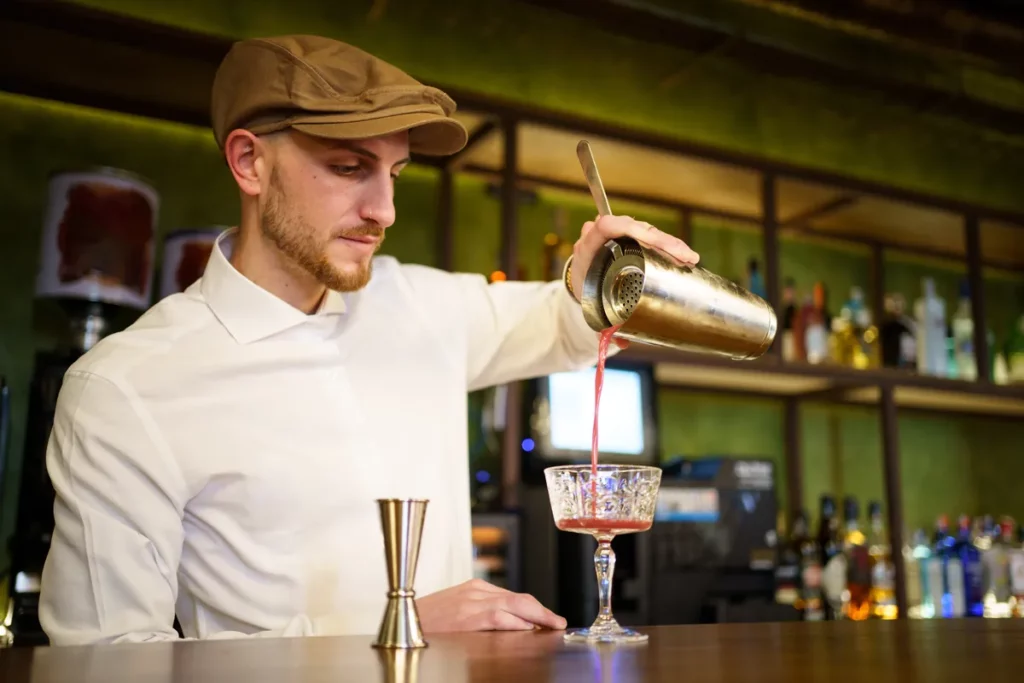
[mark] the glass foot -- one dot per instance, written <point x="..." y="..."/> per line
<point x="608" y="632"/>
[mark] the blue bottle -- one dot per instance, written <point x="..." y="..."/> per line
<point x="970" y="559"/>
<point x="946" y="577"/>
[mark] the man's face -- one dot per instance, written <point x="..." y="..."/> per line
<point x="329" y="202"/>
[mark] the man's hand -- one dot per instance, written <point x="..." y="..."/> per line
<point x="595" y="233"/>
<point x="479" y="606"/>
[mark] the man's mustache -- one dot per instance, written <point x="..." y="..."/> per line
<point x="363" y="231"/>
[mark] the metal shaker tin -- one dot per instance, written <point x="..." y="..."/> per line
<point x="660" y="302"/>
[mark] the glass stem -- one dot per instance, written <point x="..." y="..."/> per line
<point x="604" y="565"/>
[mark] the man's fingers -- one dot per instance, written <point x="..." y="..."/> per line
<point x="610" y="227"/>
<point x="486" y="586"/>
<point x="527" y="607"/>
<point x="503" y="621"/>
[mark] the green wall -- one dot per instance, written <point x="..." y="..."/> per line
<point x="944" y="468"/>
<point x="522" y="52"/>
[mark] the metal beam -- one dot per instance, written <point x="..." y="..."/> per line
<point x="770" y="216"/>
<point x="457" y="160"/>
<point x="976" y="281"/>
<point x="640" y="23"/>
<point x="534" y="180"/>
<point x="794" y="458"/>
<point x="511" y="452"/>
<point x="446" y="221"/>
<point x="819" y="211"/>
<point x="894" y="493"/>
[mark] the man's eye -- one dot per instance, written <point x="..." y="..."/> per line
<point x="345" y="170"/>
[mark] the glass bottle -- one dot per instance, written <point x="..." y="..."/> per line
<point x="833" y="562"/>
<point x="857" y="605"/>
<point x="883" y="573"/>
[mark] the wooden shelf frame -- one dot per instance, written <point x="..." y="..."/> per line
<point x="171" y="71"/>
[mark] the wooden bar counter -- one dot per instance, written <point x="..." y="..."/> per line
<point x="971" y="651"/>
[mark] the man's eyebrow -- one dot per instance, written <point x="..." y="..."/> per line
<point x="362" y="151"/>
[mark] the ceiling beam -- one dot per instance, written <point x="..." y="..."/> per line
<point x="760" y="56"/>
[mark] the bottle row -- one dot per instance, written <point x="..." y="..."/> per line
<point x="846" y="570"/>
<point x="976" y="572"/>
<point x="929" y="339"/>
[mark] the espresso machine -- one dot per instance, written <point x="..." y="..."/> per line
<point x="95" y="275"/>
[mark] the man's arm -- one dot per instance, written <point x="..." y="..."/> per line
<point x="518" y="330"/>
<point x="111" y="573"/>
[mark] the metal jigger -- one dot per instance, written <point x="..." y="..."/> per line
<point x="402" y="523"/>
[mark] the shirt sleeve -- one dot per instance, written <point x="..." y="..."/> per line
<point x="111" y="572"/>
<point x="519" y="330"/>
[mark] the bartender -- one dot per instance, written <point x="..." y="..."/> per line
<point x="218" y="461"/>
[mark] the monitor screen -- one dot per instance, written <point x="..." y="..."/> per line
<point x="622" y="415"/>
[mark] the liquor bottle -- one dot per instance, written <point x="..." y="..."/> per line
<point x="842" y="341"/>
<point x="803" y="317"/>
<point x="963" y="336"/>
<point x="787" y="567"/>
<point x="817" y="328"/>
<point x="858" y="562"/>
<point x="866" y="352"/>
<point x="1000" y="369"/>
<point x="1015" y="354"/>
<point x="996" y="570"/>
<point x="811" y="596"/>
<point x="947" y="573"/>
<point x="833" y="562"/>
<point x="1017" y="574"/>
<point x="883" y="573"/>
<point x="898" y="335"/>
<point x="970" y="560"/>
<point x="789" y="314"/>
<point x="915" y="558"/>
<point x="930" y="312"/>
<point x="557" y="246"/>
<point x="755" y="280"/>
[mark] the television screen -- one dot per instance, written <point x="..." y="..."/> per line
<point x="621" y="418"/>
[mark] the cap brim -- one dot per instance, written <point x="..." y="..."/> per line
<point x="429" y="134"/>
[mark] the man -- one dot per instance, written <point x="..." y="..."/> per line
<point x="219" y="460"/>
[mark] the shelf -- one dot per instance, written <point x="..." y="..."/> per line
<point x="630" y="171"/>
<point x="768" y="378"/>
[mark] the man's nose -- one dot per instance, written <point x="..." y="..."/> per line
<point x="378" y="203"/>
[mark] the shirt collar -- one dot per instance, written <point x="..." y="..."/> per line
<point x="248" y="311"/>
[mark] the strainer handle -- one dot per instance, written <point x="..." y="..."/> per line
<point x="586" y="157"/>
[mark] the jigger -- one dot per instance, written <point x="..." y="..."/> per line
<point x="402" y="523"/>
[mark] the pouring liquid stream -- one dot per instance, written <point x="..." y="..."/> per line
<point x="602" y="355"/>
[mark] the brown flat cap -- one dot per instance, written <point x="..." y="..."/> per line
<point x="328" y="89"/>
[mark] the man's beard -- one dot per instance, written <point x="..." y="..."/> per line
<point x="295" y="239"/>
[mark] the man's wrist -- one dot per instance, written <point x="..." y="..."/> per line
<point x="567" y="277"/>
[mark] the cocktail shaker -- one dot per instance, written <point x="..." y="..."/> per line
<point x="656" y="300"/>
<point x="402" y="524"/>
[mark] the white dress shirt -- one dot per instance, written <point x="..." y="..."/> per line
<point x="220" y="459"/>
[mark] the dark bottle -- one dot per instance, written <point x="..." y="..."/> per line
<point x="899" y="346"/>
<point x="858" y="564"/>
<point x="833" y="564"/>
<point x="811" y="602"/>
<point x="787" y="568"/>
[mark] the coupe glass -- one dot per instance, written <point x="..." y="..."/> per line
<point x="619" y="500"/>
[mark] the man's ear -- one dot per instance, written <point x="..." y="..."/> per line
<point x="246" y="156"/>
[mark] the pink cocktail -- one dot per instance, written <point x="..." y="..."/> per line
<point x="603" y="501"/>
